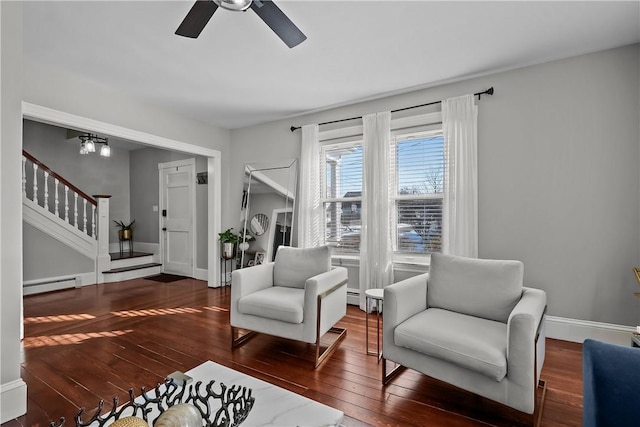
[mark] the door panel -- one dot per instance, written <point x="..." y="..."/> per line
<point x="177" y="232"/>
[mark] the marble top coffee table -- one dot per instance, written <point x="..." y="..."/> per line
<point x="274" y="406"/>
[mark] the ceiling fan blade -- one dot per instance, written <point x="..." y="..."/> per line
<point x="195" y="21"/>
<point x="278" y="21"/>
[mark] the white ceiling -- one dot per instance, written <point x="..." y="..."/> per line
<point x="239" y="73"/>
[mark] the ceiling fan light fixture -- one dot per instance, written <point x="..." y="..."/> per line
<point x="236" y="5"/>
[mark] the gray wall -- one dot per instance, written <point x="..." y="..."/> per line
<point x="46" y="257"/>
<point x="145" y="194"/>
<point x="91" y="173"/>
<point x="13" y="390"/>
<point x="559" y="145"/>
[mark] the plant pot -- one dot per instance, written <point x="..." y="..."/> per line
<point x="125" y="234"/>
<point x="227" y="250"/>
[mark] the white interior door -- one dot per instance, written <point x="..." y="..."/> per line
<point x="177" y="204"/>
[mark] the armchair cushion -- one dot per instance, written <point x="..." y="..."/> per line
<point x="293" y="266"/>
<point x="484" y="288"/>
<point x="276" y="302"/>
<point x="476" y="344"/>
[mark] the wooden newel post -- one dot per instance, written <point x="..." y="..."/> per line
<point x="103" y="260"/>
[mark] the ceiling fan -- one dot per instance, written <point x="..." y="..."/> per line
<point x="203" y="10"/>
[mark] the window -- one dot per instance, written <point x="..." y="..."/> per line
<point x="341" y="195"/>
<point x="417" y="190"/>
<point x="417" y="174"/>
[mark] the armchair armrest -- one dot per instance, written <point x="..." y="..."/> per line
<point x="404" y="299"/>
<point x="323" y="285"/>
<point x="324" y="282"/>
<point x="522" y="328"/>
<point x="249" y="280"/>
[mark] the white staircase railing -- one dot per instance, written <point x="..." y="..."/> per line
<point x="46" y="189"/>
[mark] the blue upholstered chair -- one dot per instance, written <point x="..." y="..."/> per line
<point x="611" y="385"/>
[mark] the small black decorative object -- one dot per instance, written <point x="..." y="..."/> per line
<point x="220" y="407"/>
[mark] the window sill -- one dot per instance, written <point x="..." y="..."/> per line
<point x="404" y="263"/>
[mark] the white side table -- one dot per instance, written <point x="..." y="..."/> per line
<point x="378" y="296"/>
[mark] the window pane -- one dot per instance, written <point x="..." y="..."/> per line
<point x="420" y="165"/>
<point x="419" y="225"/>
<point x="343" y="225"/>
<point x="343" y="172"/>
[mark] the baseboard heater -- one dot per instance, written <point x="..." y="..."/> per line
<point x="353" y="296"/>
<point x="38" y="286"/>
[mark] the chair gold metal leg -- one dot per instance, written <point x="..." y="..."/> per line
<point x="237" y="340"/>
<point x="386" y="377"/>
<point x="342" y="333"/>
<point x="537" y="412"/>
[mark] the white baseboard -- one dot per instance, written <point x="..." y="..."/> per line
<point x="86" y="279"/>
<point x="202" y="274"/>
<point x="13" y="400"/>
<point x="575" y="330"/>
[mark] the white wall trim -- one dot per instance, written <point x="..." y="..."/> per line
<point x="201" y="274"/>
<point x="55" y="117"/>
<point x="13" y="400"/>
<point x="214" y="163"/>
<point x="576" y="330"/>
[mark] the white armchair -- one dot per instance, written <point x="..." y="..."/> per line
<point x="299" y="296"/>
<point x="470" y="323"/>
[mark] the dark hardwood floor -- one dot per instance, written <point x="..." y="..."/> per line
<point x="83" y="345"/>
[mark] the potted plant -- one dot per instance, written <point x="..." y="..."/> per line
<point x="228" y="239"/>
<point x="126" y="230"/>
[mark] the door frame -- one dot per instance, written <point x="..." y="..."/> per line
<point x="191" y="163"/>
<point x="214" y="166"/>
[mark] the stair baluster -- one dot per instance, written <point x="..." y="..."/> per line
<point x="93" y="221"/>
<point x="57" y="201"/>
<point x="75" y="210"/>
<point x="46" y="190"/>
<point x="66" y="203"/>
<point x="35" y="183"/>
<point x="84" y="213"/>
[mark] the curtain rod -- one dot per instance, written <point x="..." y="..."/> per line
<point x="479" y="95"/>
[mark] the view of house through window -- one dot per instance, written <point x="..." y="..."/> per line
<point x="417" y="190"/>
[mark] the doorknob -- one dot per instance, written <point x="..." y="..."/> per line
<point x="164" y="228"/>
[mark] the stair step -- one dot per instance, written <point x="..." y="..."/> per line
<point x="126" y="255"/>
<point x="132" y="262"/>
<point x="132" y="268"/>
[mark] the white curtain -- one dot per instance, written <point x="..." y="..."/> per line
<point x="460" y="215"/>
<point x="376" y="256"/>
<point x="309" y="206"/>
